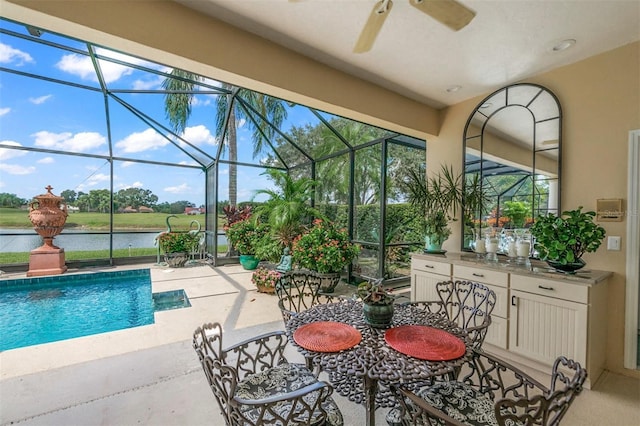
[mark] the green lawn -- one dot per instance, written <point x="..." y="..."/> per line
<point x="16" y="218"/>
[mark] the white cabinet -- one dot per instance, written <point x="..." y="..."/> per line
<point x="498" y="281"/>
<point x="538" y="315"/>
<point x="425" y="274"/>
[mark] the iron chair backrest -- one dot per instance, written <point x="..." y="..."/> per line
<point x="518" y="398"/>
<point x="298" y="291"/>
<point x="469" y="304"/>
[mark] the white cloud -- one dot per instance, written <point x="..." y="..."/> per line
<point x="142" y="141"/>
<point x="92" y="181"/>
<point x="198" y="135"/>
<point x="125" y="164"/>
<point x="40" y="100"/>
<point x="80" y="142"/>
<point x="155" y="83"/>
<point x="15" y="169"/>
<point x="5" y="154"/>
<point x="8" y="54"/>
<point x="188" y="163"/>
<point x="4" y="111"/>
<point x="46" y="160"/>
<point x="136" y="184"/>
<point x="180" y="189"/>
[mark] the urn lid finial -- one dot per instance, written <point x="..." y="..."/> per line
<point x="49" y="188"/>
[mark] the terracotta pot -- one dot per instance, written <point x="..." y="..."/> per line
<point x="48" y="215"/>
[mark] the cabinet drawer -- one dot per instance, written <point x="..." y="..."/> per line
<point x="486" y="276"/>
<point x="556" y="289"/>
<point x="431" y="266"/>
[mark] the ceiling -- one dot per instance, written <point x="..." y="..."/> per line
<point x="414" y="55"/>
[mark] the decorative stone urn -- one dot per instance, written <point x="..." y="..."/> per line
<point x="48" y="215"/>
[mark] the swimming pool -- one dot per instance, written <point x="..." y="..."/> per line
<point x="48" y="309"/>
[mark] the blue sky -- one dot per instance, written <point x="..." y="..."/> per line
<point x="51" y="116"/>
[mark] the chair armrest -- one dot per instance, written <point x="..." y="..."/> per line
<point x="298" y="393"/>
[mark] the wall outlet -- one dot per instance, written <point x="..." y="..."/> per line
<point x="613" y="243"/>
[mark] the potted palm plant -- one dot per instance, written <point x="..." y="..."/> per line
<point x="438" y="198"/>
<point x="562" y="240"/>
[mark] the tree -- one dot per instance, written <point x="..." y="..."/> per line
<point x="134" y="197"/>
<point x="69" y="195"/>
<point x="180" y="91"/>
<point x="11" y="200"/>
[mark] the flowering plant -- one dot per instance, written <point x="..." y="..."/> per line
<point x="245" y="235"/>
<point x="324" y="248"/>
<point x="177" y="242"/>
<point x="265" y="278"/>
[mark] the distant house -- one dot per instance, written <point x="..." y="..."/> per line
<point x="145" y="209"/>
<point x="128" y="209"/>
<point x="73" y="209"/>
<point x="194" y="210"/>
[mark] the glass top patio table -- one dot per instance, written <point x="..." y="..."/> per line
<point x="364" y="373"/>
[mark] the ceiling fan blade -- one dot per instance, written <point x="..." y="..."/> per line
<point x="372" y="27"/>
<point x="449" y="12"/>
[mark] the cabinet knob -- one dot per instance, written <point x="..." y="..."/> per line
<point x="545" y="288"/>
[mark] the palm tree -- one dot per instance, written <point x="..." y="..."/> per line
<point x="178" y="101"/>
<point x="288" y="208"/>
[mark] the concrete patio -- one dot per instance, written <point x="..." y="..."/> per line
<point x="150" y="375"/>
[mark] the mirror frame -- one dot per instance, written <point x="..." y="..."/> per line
<point x="482" y="118"/>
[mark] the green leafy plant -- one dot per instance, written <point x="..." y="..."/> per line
<point x="324" y="248"/>
<point x="564" y="239"/>
<point x="178" y="242"/>
<point x="517" y="212"/>
<point x="245" y="234"/>
<point x="373" y="293"/>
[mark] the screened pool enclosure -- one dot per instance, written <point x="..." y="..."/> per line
<point x="127" y="142"/>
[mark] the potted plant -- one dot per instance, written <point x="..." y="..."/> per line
<point x="325" y="250"/>
<point x="377" y="303"/>
<point x="244" y="235"/>
<point x="265" y="279"/>
<point x="176" y="247"/>
<point x="438" y="198"/>
<point x="562" y="240"/>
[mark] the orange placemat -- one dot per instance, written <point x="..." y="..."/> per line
<point x="422" y="342"/>
<point x="327" y="336"/>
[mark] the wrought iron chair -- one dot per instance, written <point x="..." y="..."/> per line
<point x="298" y="291"/>
<point x="254" y="383"/>
<point x="493" y="392"/>
<point x="467" y="303"/>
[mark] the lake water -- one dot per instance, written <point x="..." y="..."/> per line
<point x="77" y="240"/>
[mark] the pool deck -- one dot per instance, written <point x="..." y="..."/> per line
<point x="150" y="375"/>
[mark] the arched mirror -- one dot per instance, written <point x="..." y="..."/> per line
<point x="512" y="145"/>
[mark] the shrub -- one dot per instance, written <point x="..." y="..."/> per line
<point x="177" y="242"/>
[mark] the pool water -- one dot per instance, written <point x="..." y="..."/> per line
<point x="48" y="309"/>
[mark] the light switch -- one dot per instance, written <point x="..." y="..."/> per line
<point x="613" y="243"/>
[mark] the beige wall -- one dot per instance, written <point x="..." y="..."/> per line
<point x="600" y="98"/>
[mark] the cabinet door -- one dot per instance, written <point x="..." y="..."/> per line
<point x="497" y="332"/>
<point x="542" y="328"/>
<point x="423" y="285"/>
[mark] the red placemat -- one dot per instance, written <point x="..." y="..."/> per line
<point x="422" y="342"/>
<point x="327" y="336"/>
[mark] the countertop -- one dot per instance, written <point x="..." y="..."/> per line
<point x="537" y="268"/>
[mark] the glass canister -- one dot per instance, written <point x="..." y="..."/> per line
<point x="492" y="243"/>
<point x="524" y="243"/>
<point x="478" y="244"/>
<point x="508" y="244"/>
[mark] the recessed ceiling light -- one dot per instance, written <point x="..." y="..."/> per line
<point x="564" y="45"/>
<point x="453" y="89"/>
